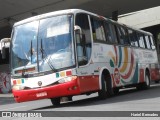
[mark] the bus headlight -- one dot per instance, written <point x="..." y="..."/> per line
<point x="67" y="79"/>
<point x="18" y="87"/>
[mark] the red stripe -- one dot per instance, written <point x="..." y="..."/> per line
<point x="88" y="83"/>
<point x="155" y="74"/>
<point x="14" y="82"/>
<point x="68" y="73"/>
<point x="65" y="89"/>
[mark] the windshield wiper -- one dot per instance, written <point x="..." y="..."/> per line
<point x="31" y="51"/>
<point x="42" y="51"/>
<point x="24" y="68"/>
<point x="48" y="61"/>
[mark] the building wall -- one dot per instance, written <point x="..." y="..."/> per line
<point x="142" y="19"/>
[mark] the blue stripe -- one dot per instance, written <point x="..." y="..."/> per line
<point x="120" y="56"/>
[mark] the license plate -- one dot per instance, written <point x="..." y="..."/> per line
<point x="42" y="94"/>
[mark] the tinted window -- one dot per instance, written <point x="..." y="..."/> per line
<point x="98" y="29"/>
<point x="141" y="40"/>
<point x="110" y="32"/>
<point x="122" y="35"/>
<point x="84" y="44"/>
<point x="133" y="38"/>
<point x="152" y="43"/>
<point x="147" y="42"/>
<point x="6" y="60"/>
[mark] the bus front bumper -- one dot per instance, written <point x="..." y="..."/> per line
<point x="59" y="90"/>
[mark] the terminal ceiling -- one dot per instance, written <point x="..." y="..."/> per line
<point x="15" y="10"/>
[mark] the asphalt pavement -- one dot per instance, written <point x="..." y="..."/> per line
<point x="6" y="99"/>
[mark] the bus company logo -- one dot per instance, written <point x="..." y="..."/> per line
<point x="40" y="83"/>
<point x="116" y="76"/>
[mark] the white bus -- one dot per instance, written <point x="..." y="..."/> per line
<point x="5" y="83"/>
<point x="73" y="52"/>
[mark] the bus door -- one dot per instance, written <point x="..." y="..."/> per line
<point x="84" y="48"/>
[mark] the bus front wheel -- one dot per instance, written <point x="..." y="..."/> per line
<point x="103" y="92"/>
<point x="107" y="89"/>
<point x="55" y="101"/>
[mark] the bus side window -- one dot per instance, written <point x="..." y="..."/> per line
<point x="110" y="32"/>
<point x="147" y="42"/>
<point x="122" y="35"/>
<point x="84" y="44"/>
<point x="125" y="35"/>
<point x="4" y="63"/>
<point x="133" y="38"/>
<point x="144" y="39"/>
<point x="152" y="43"/>
<point x="98" y="29"/>
<point x="141" y="40"/>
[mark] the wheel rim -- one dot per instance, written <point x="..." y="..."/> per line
<point x="104" y="83"/>
<point x="147" y="80"/>
<point x="105" y="87"/>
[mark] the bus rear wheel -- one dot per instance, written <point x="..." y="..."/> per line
<point x="146" y="84"/>
<point x="55" y="101"/>
<point x="147" y="81"/>
<point x="157" y="81"/>
<point x="115" y="91"/>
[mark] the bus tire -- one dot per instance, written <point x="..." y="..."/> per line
<point x="157" y="81"/>
<point x="55" y="101"/>
<point x="110" y="90"/>
<point x="115" y="91"/>
<point x="146" y="84"/>
<point x="147" y="81"/>
<point x="106" y="90"/>
<point x="102" y="94"/>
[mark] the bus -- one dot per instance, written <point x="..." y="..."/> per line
<point x="5" y="83"/>
<point x="74" y="52"/>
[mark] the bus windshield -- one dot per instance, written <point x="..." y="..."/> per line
<point x="42" y="45"/>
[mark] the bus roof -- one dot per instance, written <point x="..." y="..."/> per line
<point x="60" y="12"/>
<point x="73" y="11"/>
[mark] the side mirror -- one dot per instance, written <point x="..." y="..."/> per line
<point x="5" y="42"/>
<point x="80" y="41"/>
<point x="78" y="31"/>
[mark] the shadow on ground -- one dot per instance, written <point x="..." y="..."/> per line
<point x="6" y="99"/>
<point x="125" y="95"/>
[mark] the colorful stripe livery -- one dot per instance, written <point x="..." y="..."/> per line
<point x="123" y="62"/>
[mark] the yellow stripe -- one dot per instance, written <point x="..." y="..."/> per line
<point x="125" y="62"/>
<point x="18" y="81"/>
<point x="62" y="74"/>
